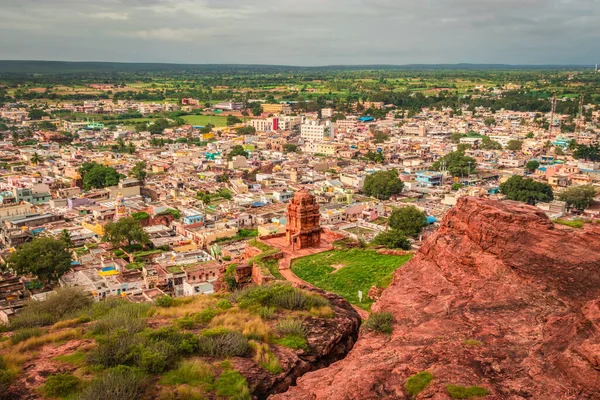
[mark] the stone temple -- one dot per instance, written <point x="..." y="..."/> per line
<point x="303" y="229"/>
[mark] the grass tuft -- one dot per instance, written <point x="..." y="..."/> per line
<point x="380" y="322"/>
<point x="462" y="392"/>
<point x="418" y="382"/>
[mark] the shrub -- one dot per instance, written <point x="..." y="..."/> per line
<point x="233" y="385"/>
<point x="224" y="304"/>
<point x="126" y="316"/>
<point x="278" y="295"/>
<point x="250" y="325"/>
<point x="291" y="327"/>
<point x="321" y="312"/>
<point x="119" y="383"/>
<point x="461" y="392"/>
<point x="266" y="312"/>
<point x="186" y="322"/>
<point x="293" y="342"/>
<point x="61" y="385"/>
<point x="6" y="378"/>
<point x="114" y="349"/>
<point x="380" y="322"/>
<point x="184" y="342"/>
<point x="206" y="315"/>
<point x="64" y="303"/>
<point x="189" y="372"/>
<point x="166" y="301"/>
<point x="221" y="342"/>
<point x="418" y="382"/>
<point x="155" y="357"/>
<point x="265" y="357"/>
<point x="24" y="334"/>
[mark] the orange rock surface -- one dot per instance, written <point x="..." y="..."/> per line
<point x="499" y="297"/>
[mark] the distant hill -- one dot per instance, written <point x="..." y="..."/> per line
<point x="65" y="67"/>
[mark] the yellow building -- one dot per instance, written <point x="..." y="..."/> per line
<point x="94" y="226"/>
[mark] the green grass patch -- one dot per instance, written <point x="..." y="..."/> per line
<point x="418" y="382"/>
<point x="575" y="223"/>
<point x="61" y="385"/>
<point x="472" y="342"/>
<point x="380" y="322"/>
<point x="77" y="358"/>
<point x="360" y="270"/>
<point x="203" y="120"/>
<point x="293" y="342"/>
<point x="461" y="392"/>
<point x="232" y="384"/>
<point x="189" y="372"/>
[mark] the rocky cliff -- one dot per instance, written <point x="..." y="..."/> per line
<point x="498" y="297"/>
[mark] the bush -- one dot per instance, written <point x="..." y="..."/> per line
<point x="233" y="385"/>
<point x="126" y="316"/>
<point x="119" y="383"/>
<point x="184" y="342"/>
<point x="5" y="380"/>
<point x="155" y="357"/>
<point x="278" y="295"/>
<point x="265" y="357"/>
<point x="189" y="372"/>
<point x="266" y="312"/>
<point x="392" y="239"/>
<point x="206" y="315"/>
<point x="64" y="303"/>
<point x="166" y="301"/>
<point x="321" y="312"/>
<point x="114" y="349"/>
<point x="461" y="392"/>
<point x="418" y="382"/>
<point x="380" y="322"/>
<point x="224" y="304"/>
<point x="61" y="385"/>
<point x="24" y="334"/>
<point x="291" y="327"/>
<point x="221" y="342"/>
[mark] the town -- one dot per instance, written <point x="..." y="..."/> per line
<point x="126" y="191"/>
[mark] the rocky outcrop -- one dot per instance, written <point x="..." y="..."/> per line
<point x="328" y="340"/>
<point x="498" y="297"/>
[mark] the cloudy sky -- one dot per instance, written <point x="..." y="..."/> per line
<point x="302" y="32"/>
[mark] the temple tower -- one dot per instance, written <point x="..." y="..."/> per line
<point x="303" y="217"/>
<point x="120" y="208"/>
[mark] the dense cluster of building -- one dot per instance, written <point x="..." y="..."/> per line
<point x="219" y="198"/>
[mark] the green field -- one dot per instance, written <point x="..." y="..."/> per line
<point x="357" y="269"/>
<point x="203" y="120"/>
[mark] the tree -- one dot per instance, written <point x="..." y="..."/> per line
<point x="588" y="153"/>
<point x="526" y="190"/>
<point x="579" y="197"/>
<point x="457" y="185"/>
<point x="237" y="150"/>
<point x="204" y="197"/>
<point x="246" y="130"/>
<point x="456" y="163"/>
<point x="125" y="229"/>
<point x="530" y="135"/>
<point x="409" y="220"/>
<point x="383" y="184"/>
<point x="380" y="137"/>
<point x="65" y="236"/>
<point x="131" y="148"/>
<point x="514" y="145"/>
<point x="46" y="258"/>
<point x="159" y="126"/>
<point x="36" y="158"/>
<point x="532" y="165"/>
<point x="392" y="239"/>
<point x="489" y="144"/>
<point x="290" y="148"/>
<point x="232" y="120"/>
<point x="139" y="171"/>
<point x="47" y="126"/>
<point x="98" y="176"/>
<point x="489" y="121"/>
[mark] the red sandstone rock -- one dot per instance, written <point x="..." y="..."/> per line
<point x="500" y="273"/>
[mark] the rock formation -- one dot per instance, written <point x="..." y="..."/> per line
<point x="498" y="297"/>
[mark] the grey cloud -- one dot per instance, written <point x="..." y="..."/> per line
<point x="303" y="32"/>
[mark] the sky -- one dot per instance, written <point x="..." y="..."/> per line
<point x="303" y="32"/>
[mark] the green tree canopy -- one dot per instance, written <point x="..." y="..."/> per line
<point x="457" y="163"/>
<point x="579" y="197"/>
<point x="139" y="171"/>
<point x="383" y="184"/>
<point x="232" y="120"/>
<point x="589" y="153"/>
<point x="290" y="148"/>
<point x="46" y="258"/>
<point x="514" y="145"/>
<point x="409" y="220"/>
<point x="98" y="176"/>
<point x="237" y="150"/>
<point x="125" y="230"/>
<point x="159" y="126"/>
<point x="526" y="190"/>
<point x="489" y="144"/>
<point x="392" y="239"/>
<point x="532" y="165"/>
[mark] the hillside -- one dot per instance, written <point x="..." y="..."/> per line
<point x="499" y="303"/>
<point x="248" y="344"/>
